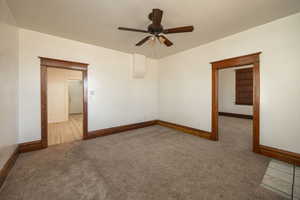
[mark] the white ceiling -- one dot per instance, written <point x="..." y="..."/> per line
<point x="96" y="21"/>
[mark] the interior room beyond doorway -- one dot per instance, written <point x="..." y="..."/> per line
<point x="65" y="105"/>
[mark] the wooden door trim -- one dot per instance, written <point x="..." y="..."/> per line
<point x="46" y="63"/>
<point x="251" y="59"/>
<point x="63" y="64"/>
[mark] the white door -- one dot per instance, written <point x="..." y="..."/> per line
<point x="75" y="97"/>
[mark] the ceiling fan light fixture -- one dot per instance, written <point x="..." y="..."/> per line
<point x="152" y="41"/>
<point x="161" y="39"/>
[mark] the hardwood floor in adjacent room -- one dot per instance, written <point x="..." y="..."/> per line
<point x="64" y="132"/>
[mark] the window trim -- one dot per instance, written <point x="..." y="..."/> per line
<point x="237" y="98"/>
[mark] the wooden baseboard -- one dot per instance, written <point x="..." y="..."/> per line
<point x="186" y="129"/>
<point x="118" y="129"/>
<point x="275" y="153"/>
<point x="286" y="156"/>
<point x="30" y="146"/>
<point x="236" y="115"/>
<point x="8" y="166"/>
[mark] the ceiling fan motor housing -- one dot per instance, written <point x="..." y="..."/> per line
<point x="155" y="30"/>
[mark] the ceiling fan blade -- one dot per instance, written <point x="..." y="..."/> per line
<point x="157" y="16"/>
<point x="179" y="30"/>
<point x="132" y="29"/>
<point x="165" y="40"/>
<point x="143" y="41"/>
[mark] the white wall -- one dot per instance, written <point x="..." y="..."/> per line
<point x="118" y="98"/>
<point x="75" y="95"/>
<point x="185" y="81"/>
<point x="8" y="83"/>
<point x="227" y="93"/>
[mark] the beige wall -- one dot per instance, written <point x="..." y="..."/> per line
<point x="185" y="81"/>
<point x="227" y="93"/>
<point x="57" y="95"/>
<point x="58" y="98"/>
<point x="74" y="75"/>
<point x="8" y="83"/>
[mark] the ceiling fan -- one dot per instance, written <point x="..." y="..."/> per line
<point x="156" y="29"/>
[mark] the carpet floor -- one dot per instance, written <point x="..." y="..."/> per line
<point x="154" y="163"/>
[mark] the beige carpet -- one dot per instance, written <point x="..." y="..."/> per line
<point x="150" y="163"/>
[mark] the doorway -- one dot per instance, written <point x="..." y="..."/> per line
<point x="63" y="101"/>
<point x="65" y="105"/>
<point x="252" y="59"/>
<point x="235" y="99"/>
